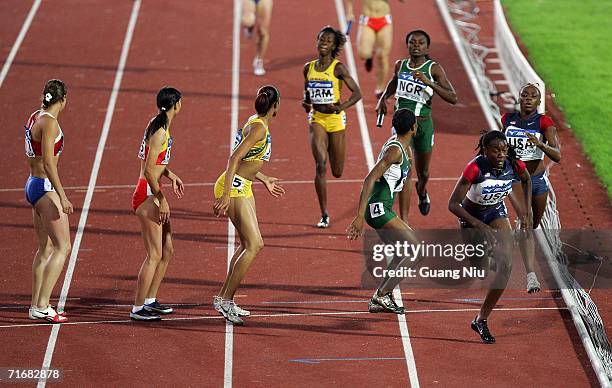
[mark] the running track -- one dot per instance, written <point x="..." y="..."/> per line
<point x="307" y="328"/>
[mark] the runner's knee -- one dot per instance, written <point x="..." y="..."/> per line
<point x="337" y="170"/>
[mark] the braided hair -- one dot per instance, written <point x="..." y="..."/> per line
<point x="339" y="39"/>
<point x="167" y="98"/>
<point x="487" y="138"/>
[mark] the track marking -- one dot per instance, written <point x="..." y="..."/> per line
<point x="367" y="147"/>
<point x="279" y="315"/>
<point x="22" y="33"/>
<point x="318" y="360"/>
<point x="231" y="231"/>
<point x="210" y="184"/>
<point x="92" y="183"/>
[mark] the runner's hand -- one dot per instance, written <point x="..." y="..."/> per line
<point x="66" y="205"/>
<point x="307" y="106"/>
<point x="355" y="229"/>
<point x="488" y="232"/>
<point x="533" y="139"/>
<point x="221" y="205"/>
<point x="164" y="211"/>
<point x="381" y="107"/>
<point x="178" y="187"/>
<point x="421" y="77"/>
<point x="274" y="189"/>
<point x="350" y="17"/>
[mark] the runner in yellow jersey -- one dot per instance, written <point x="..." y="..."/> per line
<point x="322" y="93"/>
<point x="252" y="147"/>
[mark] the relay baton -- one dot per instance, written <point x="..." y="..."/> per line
<point x="379" y="119"/>
<point x="348" y="27"/>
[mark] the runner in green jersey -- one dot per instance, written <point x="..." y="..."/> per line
<point x="385" y="179"/>
<point x="415" y="81"/>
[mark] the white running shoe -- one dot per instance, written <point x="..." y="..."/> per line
<point x="48" y="314"/>
<point x="241" y="312"/>
<point x="258" y="68"/>
<point x="324" y="223"/>
<point x="227" y="308"/>
<point x="533" y="285"/>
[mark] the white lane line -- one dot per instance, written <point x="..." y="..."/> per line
<point x="367" y="147"/>
<point x="110" y="109"/>
<point x="210" y="184"/>
<point x="280" y="315"/>
<point x="231" y="232"/>
<point x="22" y="33"/>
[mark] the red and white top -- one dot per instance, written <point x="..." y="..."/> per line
<point x="33" y="148"/>
<point x="490" y="186"/>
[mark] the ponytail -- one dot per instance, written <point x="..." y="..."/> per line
<point x="267" y="97"/>
<point x="167" y="98"/>
<point x="55" y="90"/>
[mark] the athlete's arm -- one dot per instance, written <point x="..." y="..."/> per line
<point x="254" y="133"/>
<point x="306" y="104"/>
<point x="393" y="155"/>
<point x="50" y="130"/>
<point x="151" y="171"/>
<point x="271" y="184"/>
<point x="404" y="197"/>
<point x="441" y="85"/>
<point x="341" y="72"/>
<point x="552" y="149"/>
<point x="350" y="16"/>
<point x="177" y="183"/>
<point x="381" y="106"/>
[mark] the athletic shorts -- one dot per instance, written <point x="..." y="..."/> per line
<point x="539" y="184"/>
<point x="423" y="140"/>
<point x="486" y="215"/>
<point x="380" y="206"/>
<point x="241" y="187"/>
<point x="36" y="187"/>
<point x="375" y="24"/>
<point x="333" y="122"/>
<point x="141" y="193"/>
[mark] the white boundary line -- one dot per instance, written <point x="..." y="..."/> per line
<point x="324" y="313"/>
<point x="92" y="183"/>
<point x="24" y="30"/>
<point x="367" y="148"/>
<point x="231" y="231"/>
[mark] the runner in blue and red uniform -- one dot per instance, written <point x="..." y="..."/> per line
<point x="532" y="135"/>
<point x="478" y="201"/>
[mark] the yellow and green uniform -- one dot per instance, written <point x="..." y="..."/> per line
<point x="380" y="203"/>
<point x="261" y="150"/>
<point x="324" y="88"/>
<point x="413" y="94"/>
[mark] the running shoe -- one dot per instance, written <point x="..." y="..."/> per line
<point x="144" y="315"/>
<point x="324" y="223"/>
<point x="239" y="310"/>
<point x="533" y="285"/>
<point x="49" y="314"/>
<point x="369" y="64"/>
<point x="227" y="308"/>
<point x="482" y="329"/>
<point x="384" y="303"/>
<point x="258" y="68"/>
<point x="31" y="313"/>
<point x="158" y="308"/>
<point x="424" y="203"/>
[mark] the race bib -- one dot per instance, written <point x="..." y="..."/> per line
<point x="321" y="92"/>
<point x="524" y="148"/>
<point x="29" y="150"/>
<point x="412" y="89"/>
<point x="377" y="209"/>
<point x="238" y="183"/>
<point x="166" y="159"/>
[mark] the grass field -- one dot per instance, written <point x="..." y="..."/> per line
<point x="570" y="46"/>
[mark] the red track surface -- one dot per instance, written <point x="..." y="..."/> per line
<point x="300" y="271"/>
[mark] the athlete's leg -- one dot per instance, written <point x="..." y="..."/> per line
<point x="45" y="249"/>
<point x="242" y="214"/>
<point x="319" y="144"/>
<point x="55" y="222"/>
<point x="384" y="40"/>
<point x="248" y="13"/>
<point x="151" y="230"/>
<point x="366" y="38"/>
<point x="162" y="266"/>
<point x="538" y="205"/>
<point x="264" y="16"/>
<point x="421" y="164"/>
<point x="396" y="230"/>
<point x="337" y="152"/>
<point x="503" y="257"/>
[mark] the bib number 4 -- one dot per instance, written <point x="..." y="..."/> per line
<point x="377" y="209"/>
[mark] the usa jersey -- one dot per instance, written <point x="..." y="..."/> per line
<point x="488" y="185"/>
<point x="515" y="129"/>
